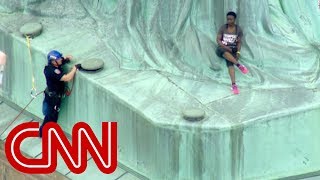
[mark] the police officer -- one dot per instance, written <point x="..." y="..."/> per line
<point x="55" y="78"/>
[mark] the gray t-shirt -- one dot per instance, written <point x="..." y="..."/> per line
<point x="230" y="39"/>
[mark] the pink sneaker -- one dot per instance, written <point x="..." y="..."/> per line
<point x="235" y="89"/>
<point x="243" y="69"/>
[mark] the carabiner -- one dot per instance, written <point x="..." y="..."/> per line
<point x="33" y="93"/>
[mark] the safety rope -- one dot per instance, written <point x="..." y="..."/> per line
<point x="69" y="90"/>
<point x="33" y="97"/>
<point x="34" y="93"/>
<point x="21" y="112"/>
<point x="33" y="89"/>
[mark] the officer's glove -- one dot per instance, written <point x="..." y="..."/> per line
<point x="65" y="60"/>
<point x="78" y="66"/>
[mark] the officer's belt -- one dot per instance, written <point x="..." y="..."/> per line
<point x="52" y="93"/>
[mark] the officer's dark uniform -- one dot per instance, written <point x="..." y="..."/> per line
<point x="53" y="93"/>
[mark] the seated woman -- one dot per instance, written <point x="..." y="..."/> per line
<point x="229" y="41"/>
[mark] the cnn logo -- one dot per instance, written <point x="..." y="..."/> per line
<point x="74" y="154"/>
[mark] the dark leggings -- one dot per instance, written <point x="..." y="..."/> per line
<point x="220" y="51"/>
<point x="50" y="109"/>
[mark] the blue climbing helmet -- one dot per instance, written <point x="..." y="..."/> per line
<point x="54" y="55"/>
